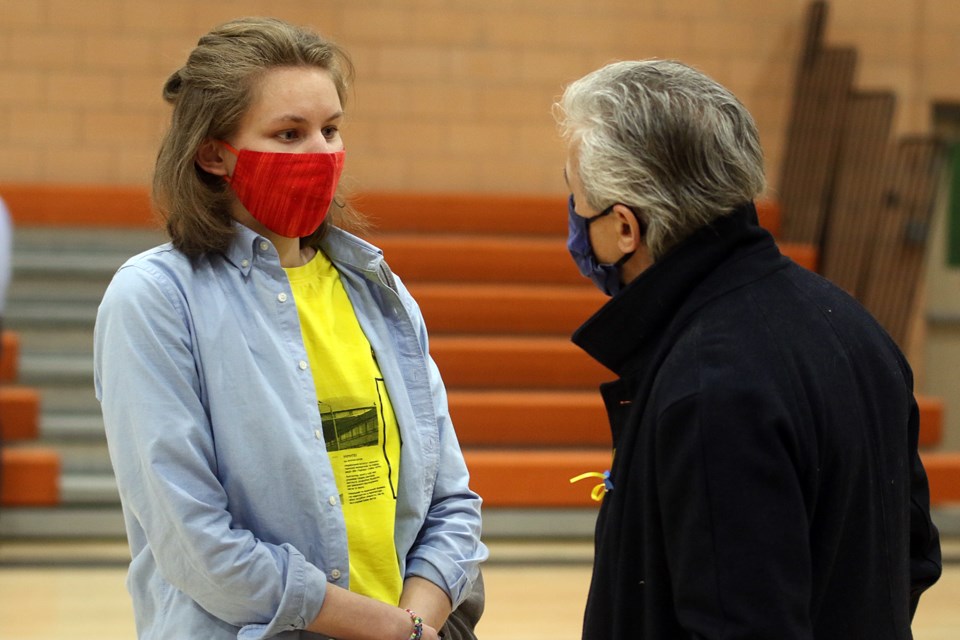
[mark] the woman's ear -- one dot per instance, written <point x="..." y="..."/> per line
<point x="210" y="157"/>
<point x="631" y="229"/>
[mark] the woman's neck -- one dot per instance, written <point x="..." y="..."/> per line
<point x="290" y="251"/>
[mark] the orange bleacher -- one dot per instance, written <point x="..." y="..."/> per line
<point x="500" y="297"/>
<point x="31" y="474"/>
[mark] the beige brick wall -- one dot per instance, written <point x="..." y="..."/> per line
<point x="451" y="95"/>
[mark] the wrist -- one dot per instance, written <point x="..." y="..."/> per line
<point x="417" y="621"/>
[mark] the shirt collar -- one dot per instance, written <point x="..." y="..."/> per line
<point x="343" y="248"/>
<point x="243" y="247"/>
<point x="640" y="313"/>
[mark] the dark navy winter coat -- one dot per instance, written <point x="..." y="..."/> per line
<point x="766" y="482"/>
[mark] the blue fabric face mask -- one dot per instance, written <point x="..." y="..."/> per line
<point x="606" y="276"/>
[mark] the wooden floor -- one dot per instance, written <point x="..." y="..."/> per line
<point x="534" y="592"/>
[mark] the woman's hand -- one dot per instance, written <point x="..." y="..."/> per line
<point x="351" y="616"/>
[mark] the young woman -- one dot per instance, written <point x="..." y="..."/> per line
<point x="279" y="432"/>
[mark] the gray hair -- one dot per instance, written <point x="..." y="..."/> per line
<point x="665" y="140"/>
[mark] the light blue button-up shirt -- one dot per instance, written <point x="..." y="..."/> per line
<point x="230" y="503"/>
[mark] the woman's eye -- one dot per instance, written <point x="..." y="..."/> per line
<point x="288" y="135"/>
<point x="330" y="132"/>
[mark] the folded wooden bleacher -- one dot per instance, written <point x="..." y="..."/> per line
<point x="864" y="199"/>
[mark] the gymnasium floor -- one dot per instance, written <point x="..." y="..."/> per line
<point x="535" y="591"/>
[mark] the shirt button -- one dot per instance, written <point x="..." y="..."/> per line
<point x="282" y="297"/>
<point x="244" y="263"/>
<point x="318" y="434"/>
<point x="303" y="365"/>
<point x="333" y="501"/>
<point x="264" y="246"/>
<point x="335" y="574"/>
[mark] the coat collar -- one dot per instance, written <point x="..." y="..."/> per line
<point x="670" y="288"/>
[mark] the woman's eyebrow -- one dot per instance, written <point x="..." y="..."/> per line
<point x="293" y="117"/>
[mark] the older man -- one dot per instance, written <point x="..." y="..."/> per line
<point x="765" y="481"/>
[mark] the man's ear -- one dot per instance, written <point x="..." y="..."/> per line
<point x="210" y="157"/>
<point x="631" y="229"/>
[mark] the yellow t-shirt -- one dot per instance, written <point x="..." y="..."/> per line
<point x="359" y="425"/>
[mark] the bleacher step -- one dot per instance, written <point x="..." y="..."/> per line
<point x="65" y="522"/>
<point x="931" y="410"/>
<point x="72" y="262"/>
<point x="472" y="259"/>
<point x="89" y="489"/>
<point x="481" y="417"/>
<point x="438" y="213"/>
<point x="478" y="259"/>
<point x="525" y="477"/>
<point x="511" y="214"/>
<point x="73" y="426"/>
<point x="53" y="315"/>
<point x="19" y="413"/>
<point x="943" y="473"/>
<point x="105" y="522"/>
<point x="52" y="369"/>
<point x="529" y="418"/>
<point x="31" y="476"/>
<point x="9" y="356"/>
<point x="534" y="477"/>
<point x="507" y="362"/>
<point x="498" y="309"/>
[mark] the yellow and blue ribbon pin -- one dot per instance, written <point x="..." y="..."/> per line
<point x="599" y="490"/>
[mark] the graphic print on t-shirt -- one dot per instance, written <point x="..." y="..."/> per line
<point x="356" y="438"/>
<point x="350" y="428"/>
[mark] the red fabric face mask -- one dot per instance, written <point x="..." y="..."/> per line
<point x="288" y="193"/>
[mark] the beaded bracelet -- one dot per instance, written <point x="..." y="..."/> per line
<point x="417" y="625"/>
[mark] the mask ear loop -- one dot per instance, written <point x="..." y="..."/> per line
<point x="608" y="210"/>
<point x="603" y="213"/>
<point x="232" y="150"/>
<point x="643" y="223"/>
<point x="229" y="147"/>
<point x="643" y="229"/>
